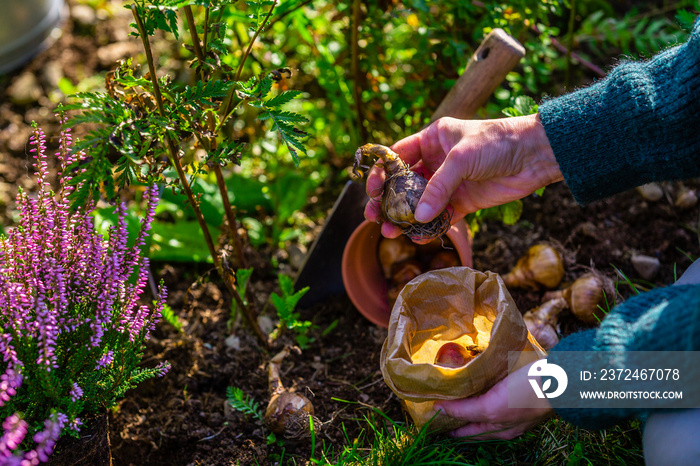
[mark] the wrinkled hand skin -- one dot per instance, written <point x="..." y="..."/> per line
<point x="488" y="417"/>
<point x="471" y="165"/>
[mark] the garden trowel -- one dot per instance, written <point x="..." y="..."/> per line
<point x="497" y="55"/>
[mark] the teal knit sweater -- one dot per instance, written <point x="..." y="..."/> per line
<point x="639" y="124"/>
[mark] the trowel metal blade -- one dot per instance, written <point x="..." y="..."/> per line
<point x="321" y="270"/>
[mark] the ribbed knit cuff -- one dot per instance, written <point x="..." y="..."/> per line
<point x="663" y="319"/>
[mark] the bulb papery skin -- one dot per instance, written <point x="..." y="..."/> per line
<point x="542" y="267"/>
<point x="542" y="321"/>
<point x="589" y="295"/>
<point x="541" y="330"/>
<point x="288" y="412"/>
<point x="401" y="195"/>
<point x="394" y="250"/>
<point x="403" y="189"/>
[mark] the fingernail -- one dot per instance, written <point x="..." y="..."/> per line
<point x="424" y="212"/>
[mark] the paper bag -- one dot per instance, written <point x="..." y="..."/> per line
<point x="456" y="304"/>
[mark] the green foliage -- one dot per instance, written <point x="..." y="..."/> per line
<point x="151" y="129"/>
<point x="522" y="105"/>
<point x="140" y="127"/>
<point x="169" y="316"/>
<point x="634" y="34"/>
<point x="387" y="442"/>
<point x="243" y="403"/>
<point x="257" y="93"/>
<point x="157" y="15"/>
<point x="288" y="193"/>
<point x="285" y="306"/>
<point x="687" y="18"/>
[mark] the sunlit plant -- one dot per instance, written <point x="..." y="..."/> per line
<point x="152" y="128"/>
<point x="72" y="321"/>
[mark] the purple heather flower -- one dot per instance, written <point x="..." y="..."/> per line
<point x="105" y="360"/>
<point x="46" y="439"/>
<point x="75" y="424"/>
<point x="76" y="392"/>
<point x="14" y="428"/>
<point x="162" y="368"/>
<point x="9" y="383"/>
<point x="64" y="289"/>
<point x="9" y="355"/>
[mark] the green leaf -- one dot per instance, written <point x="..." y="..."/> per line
<point x="522" y="105"/>
<point x="280" y="304"/>
<point x="243" y="403"/>
<point x="169" y="316"/>
<point x="510" y="212"/>
<point x="282" y="98"/>
<point x="286" y="284"/>
<point x="182" y="241"/>
<point x="243" y="278"/>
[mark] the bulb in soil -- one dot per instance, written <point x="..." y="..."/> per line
<point x="288" y="413"/>
<point x="542" y="321"/>
<point x="589" y="295"/>
<point x="541" y="267"/>
<point x="542" y="331"/>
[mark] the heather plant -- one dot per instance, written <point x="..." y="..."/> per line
<point x="72" y="320"/>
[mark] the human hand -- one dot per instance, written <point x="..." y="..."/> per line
<point x="471" y="165"/>
<point x="488" y="416"/>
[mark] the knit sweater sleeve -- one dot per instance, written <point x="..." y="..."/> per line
<point x="663" y="319"/>
<point x="639" y="124"/>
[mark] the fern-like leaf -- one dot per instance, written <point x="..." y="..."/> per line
<point x="282" y="98"/>
<point x="243" y="403"/>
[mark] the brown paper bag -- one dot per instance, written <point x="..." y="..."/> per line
<point x="455" y="304"/>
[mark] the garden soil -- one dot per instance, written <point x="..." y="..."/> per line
<point x="184" y="418"/>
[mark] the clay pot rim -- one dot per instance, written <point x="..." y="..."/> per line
<point x="367" y="290"/>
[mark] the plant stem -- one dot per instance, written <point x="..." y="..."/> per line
<point x="355" y="67"/>
<point x="175" y="160"/>
<point x="205" y="33"/>
<point x="220" y="180"/>
<point x="558" y="45"/>
<point x="195" y="37"/>
<point x="252" y="40"/>
<point x="229" y="98"/>
<point x="231" y="217"/>
<point x="149" y="59"/>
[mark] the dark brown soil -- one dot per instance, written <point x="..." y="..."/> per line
<point x="184" y="418"/>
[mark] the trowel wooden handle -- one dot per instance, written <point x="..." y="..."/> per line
<point x="487" y="68"/>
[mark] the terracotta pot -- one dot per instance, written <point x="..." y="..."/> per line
<point x="362" y="272"/>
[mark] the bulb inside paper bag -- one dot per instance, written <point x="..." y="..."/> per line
<point x="455" y="305"/>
